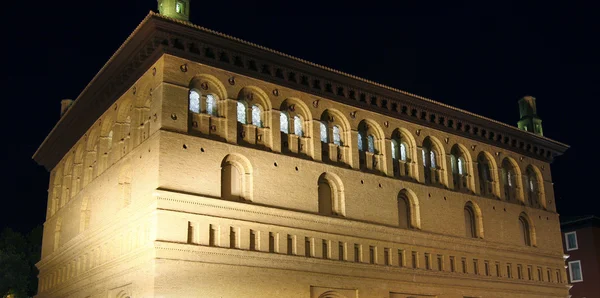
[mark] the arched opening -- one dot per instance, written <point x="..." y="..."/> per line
<point x="333" y="130"/>
<point x="486" y="180"/>
<point x="330" y="195"/>
<point x="404" y="214"/>
<point x="509" y="180"/>
<point x="524" y="230"/>
<point x="253" y="119"/>
<point x="470" y="224"/>
<point x="473" y="221"/>
<point x="236" y="178"/>
<point x="458" y="164"/>
<point x="194" y="101"/>
<point x="294" y="137"/>
<point x="402" y="146"/>
<point x="431" y="167"/>
<point x="369" y="151"/>
<point x="533" y="192"/>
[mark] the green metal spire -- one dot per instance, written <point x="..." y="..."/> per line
<point x="529" y="119"/>
<point x="177" y="9"/>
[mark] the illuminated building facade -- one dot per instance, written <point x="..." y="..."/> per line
<point x="206" y="166"/>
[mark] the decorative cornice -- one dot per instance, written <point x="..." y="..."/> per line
<point x="158" y="34"/>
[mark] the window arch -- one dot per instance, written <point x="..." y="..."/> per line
<point x="369" y="143"/>
<point x="473" y="221"/>
<point x="330" y="195"/>
<point x="333" y="128"/>
<point x="509" y="179"/>
<point x="402" y="148"/>
<point x="295" y="139"/>
<point x="533" y="189"/>
<point x="432" y="163"/>
<point x="484" y="171"/>
<point x="236" y="178"/>
<point x="194" y="101"/>
<point x="524" y="230"/>
<point x="408" y="210"/>
<point x="458" y="163"/>
<point x="253" y="118"/>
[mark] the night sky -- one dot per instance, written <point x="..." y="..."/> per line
<point x="479" y="59"/>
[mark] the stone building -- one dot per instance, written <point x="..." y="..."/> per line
<point x="196" y="164"/>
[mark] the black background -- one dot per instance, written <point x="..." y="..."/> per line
<point x="481" y="59"/>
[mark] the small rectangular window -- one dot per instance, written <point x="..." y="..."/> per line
<point x="529" y="273"/>
<point x="290" y="244"/>
<point x="558" y="279"/>
<point x="386" y="256"/>
<point x="440" y="262"/>
<point x="401" y="258"/>
<point x="509" y="271"/>
<point x="486" y="268"/>
<point x="252" y="240"/>
<point x="427" y="261"/>
<point x="571" y="241"/>
<point x="475" y="266"/>
<point x="575" y="271"/>
<point x="212" y="235"/>
<point x="356" y="253"/>
<point x="540" y="275"/>
<point x="464" y="265"/>
<point x="414" y="259"/>
<point x="498" y="273"/>
<point x="549" y="275"/>
<point x="372" y="254"/>
<point x="452" y="264"/>
<point x="271" y="242"/>
<point x="232" y="238"/>
<point x="519" y="272"/>
<point x="325" y="249"/>
<point x="341" y="251"/>
<point x="307" y="247"/>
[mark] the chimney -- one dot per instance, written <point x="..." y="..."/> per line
<point x="65" y="104"/>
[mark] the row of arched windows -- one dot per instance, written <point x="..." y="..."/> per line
<point x="480" y="176"/>
<point x="236" y="185"/>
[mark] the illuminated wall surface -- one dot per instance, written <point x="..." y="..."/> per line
<point x="183" y="183"/>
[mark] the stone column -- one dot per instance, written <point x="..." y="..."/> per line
<point x="387" y="165"/>
<point x="476" y="180"/>
<point x="449" y="174"/>
<point x="275" y="131"/>
<point x="352" y="159"/>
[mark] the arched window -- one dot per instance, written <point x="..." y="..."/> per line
<point x="256" y="116"/>
<point x="404" y="214"/>
<point x="470" y="223"/>
<point x="298" y="126"/>
<point x="524" y="230"/>
<point x="236" y="178"/>
<point x="371" y="143"/>
<point x="325" y="198"/>
<point x="430" y="164"/>
<point x="403" y="155"/>
<point x="459" y="168"/>
<point x="395" y="150"/>
<point x="194" y="98"/>
<point x="331" y="195"/>
<point x="533" y="191"/>
<point x="241" y="113"/>
<point x="360" y="141"/>
<point x="509" y="180"/>
<point x="486" y="180"/>
<point x="284" y="124"/>
<point x="211" y="105"/>
<point x="337" y="139"/>
<point x="323" y="130"/>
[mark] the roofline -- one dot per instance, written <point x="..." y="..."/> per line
<point x="590" y="218"/>
<point x="129" y="58"/>
<point x="233" y="38"/>
<point x="94" y="79"/>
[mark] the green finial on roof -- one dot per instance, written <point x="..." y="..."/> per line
<point x="529" y="119"/>
<point x="177" y="9"/>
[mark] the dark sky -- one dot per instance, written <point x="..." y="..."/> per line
<point x="480" y="59"/>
